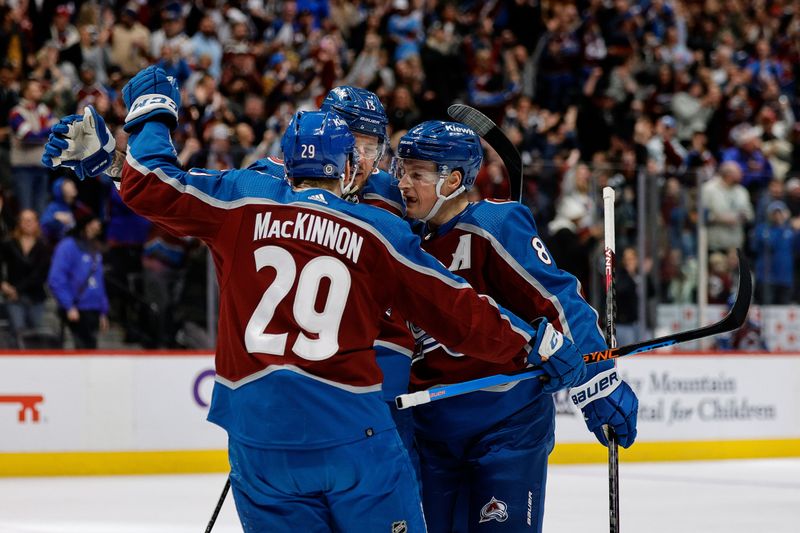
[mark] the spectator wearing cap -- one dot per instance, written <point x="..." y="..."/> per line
<point x="728" y="208"/>
<point x="30" y="121"/>
<point x="775" y="191"/>
<point x="570" y="242"/>
<point x="206" y="44"/>
<point x="216" y="149"/>
<point x="756" y="168"/>
<point x="318" y="9"/>
<point x="76" y="281"/>
<point x="405" y="29"/>
<point x="665" y="149"/>
<point x="130" y="41"/>
<point x="90" y="89"/>
<point x="776" y="244"/>
<point x="171" y="32"/>
<point x="62" y="33"/>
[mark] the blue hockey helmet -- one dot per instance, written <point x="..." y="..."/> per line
<point x="360" y="108"/>
<point x="317" y="145"/>
<point x="451" y="145"/>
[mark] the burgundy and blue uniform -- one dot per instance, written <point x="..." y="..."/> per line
<point x="304" y="278"/>
<point x="506" y="433"/>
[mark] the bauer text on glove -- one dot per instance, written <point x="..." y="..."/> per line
<point x="606" y="400"/>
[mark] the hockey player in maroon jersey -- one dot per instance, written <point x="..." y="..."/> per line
<point x="493" y="444"/>
<point x="304" y="278"/>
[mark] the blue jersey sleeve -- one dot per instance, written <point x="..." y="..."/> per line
<point x="444" y="304"/>
<point x="271" y="166"/>
<point x="193" y="202"/>
<point x="524" y="276"/>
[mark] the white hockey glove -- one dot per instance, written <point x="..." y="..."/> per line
<point x="82" y="143"/>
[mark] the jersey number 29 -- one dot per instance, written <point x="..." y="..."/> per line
<point x="324" y="324"/>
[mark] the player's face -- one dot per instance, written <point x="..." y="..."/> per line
<point x="418" y="184"/>
<point x="368" y="149"/>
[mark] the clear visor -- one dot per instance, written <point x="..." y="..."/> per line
<point x="370" y="150"/>
<point x="416" y="170"/>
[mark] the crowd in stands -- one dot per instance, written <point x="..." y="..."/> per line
<point x="694" y="99"/>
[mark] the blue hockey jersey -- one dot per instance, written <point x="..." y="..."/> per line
<point x="305" y="278"/>
<point x="496" y="247"/>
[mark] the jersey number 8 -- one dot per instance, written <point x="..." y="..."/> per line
<point x="324" y="324"/>
<point x="541" y="251"/>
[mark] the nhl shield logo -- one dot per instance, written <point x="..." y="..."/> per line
<point x="328" y="169"/>
<point x="400" y="527"/>
<point x="494" y="510"/>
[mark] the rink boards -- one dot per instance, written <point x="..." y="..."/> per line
<point x="144" y="412"/>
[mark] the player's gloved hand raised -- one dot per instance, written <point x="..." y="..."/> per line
<point x="606" y="400"/>
<point x="557" y="356"/>
<point x="82" y="143"/>
<point x="151" y="95"/>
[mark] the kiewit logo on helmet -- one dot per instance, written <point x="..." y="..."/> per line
<point x="458" y="129"/>
<point x="494" y="510"/>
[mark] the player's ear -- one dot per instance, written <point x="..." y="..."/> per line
<point x="454" y="180"/>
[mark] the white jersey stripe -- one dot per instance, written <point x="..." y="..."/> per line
<point x="394" y="347"/>
<point x="524" y="274"/>
<point x="233" y="385"/>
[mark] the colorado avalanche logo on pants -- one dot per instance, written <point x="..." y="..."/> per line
<point x="494" y="510"/>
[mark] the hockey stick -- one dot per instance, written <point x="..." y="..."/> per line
<point x="610" y="253"/>
<point x="494" y="136"/>
<point x="733" y="320"/>
<point x="217" y="509"/>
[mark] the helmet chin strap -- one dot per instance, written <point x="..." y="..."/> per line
<point x="440" y="199"/>
<point x="350" y="187"/>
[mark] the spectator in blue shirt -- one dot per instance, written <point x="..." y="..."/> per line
<point x="76" y="281"/>
<point x="775" y="244"/>
<point x="58" y="218"/>
<point x="756" y="168"/>
<point x="206" y="43"/>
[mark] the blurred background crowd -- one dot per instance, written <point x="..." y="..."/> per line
<point x="686" y="107"/>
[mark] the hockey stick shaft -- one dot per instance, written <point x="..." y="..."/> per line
<point x="733" y="320"/>
<point x="494" y="137"/>
<point x="610" y="254"/>
<point x="217" y="509"/>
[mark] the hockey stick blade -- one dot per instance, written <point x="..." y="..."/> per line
<point x="494" y="136"/>
<point x="733" y="320"/>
